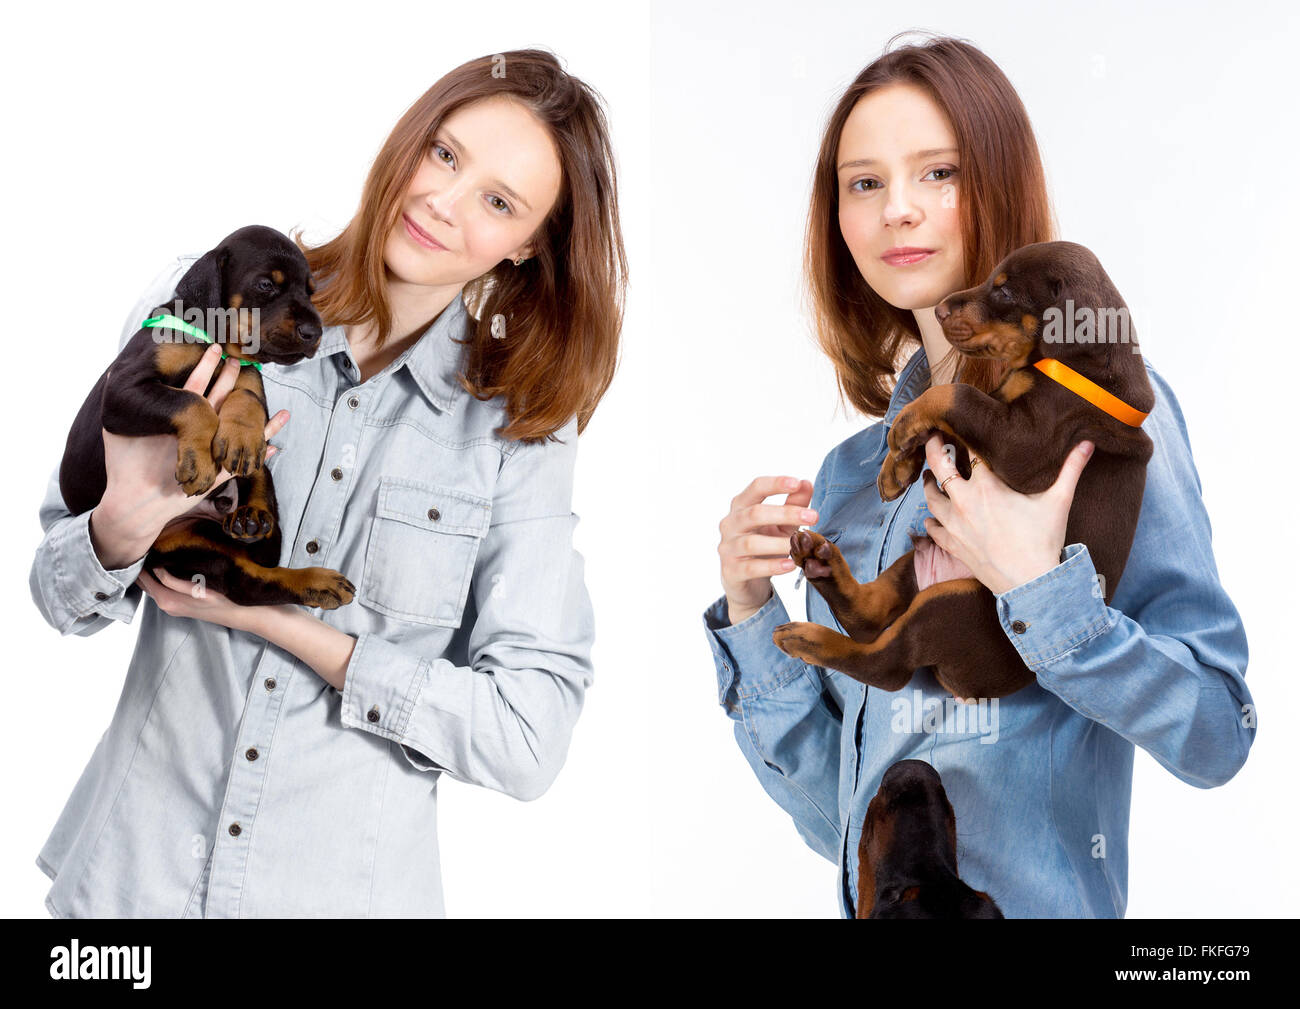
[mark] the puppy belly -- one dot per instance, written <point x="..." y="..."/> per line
<point x="934" y="564"/>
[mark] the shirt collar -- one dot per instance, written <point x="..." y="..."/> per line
<point x="433" y="360"/>
<point x="914" y="380"/>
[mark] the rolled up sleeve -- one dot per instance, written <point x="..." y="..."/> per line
<point x="71" y="588"/>
<point x="505" y="720"/>
<point x="1163" y="666"/>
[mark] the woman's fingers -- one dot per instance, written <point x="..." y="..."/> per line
<point x="226" y="379"/>
<point x="765" y="486"/>
<point x="748" y="510"/>
<point x="755" y="545"/>
<point x="273" y="427"/>
<point x="276" y="423"/>
<point x="202" y="374"/>
<point x="755" y="539"/>
<point x="777" y="520"/>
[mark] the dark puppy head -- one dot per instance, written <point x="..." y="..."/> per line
<point x="907" y="858"/>
<point x="1008" y="315"/>
<point x="255" y="291"/>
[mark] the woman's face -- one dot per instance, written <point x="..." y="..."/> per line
<point x="899" y="184"/>
<point x="483" y="189"/>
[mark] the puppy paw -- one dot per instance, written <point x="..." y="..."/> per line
<point x="195" y="470"/>
<point x="897" y="473"/>
<point x="908" y="424"/>
<point x="813" y="552"/>
<point x="239" y="447"/>
<point x="806" y="641"/>
<point x="326" y="588"/>
<point x="248" y="524"/>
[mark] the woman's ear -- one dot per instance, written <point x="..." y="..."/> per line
<point x="202" y="286"/>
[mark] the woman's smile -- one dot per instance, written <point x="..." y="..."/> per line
<point x="421" y="237"/>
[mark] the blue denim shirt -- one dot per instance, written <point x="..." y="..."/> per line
<point x="233" y="781"/>
<point x="1041" y="780"/>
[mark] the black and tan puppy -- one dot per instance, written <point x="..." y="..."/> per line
<point x="251" y="294"/>
<point x="1058" y="392"/>
<point x="907" y="857"/>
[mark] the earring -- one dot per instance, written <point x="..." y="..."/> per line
<point x="519" y="261"/>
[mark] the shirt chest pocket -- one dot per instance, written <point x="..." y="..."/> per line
<point x="423" y="544"/>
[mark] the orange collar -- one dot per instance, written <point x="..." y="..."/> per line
<point x="1090" y="391"/>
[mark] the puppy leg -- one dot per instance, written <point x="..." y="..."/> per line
<point x="240" y="441"/>
<point x="254" y="518"/>
<point x="935" y="630"/>
<point x="151" y="407"/>
<point x="190" y="554"/>
<point x="862" y="610"/>
<point x="997" y="432"/>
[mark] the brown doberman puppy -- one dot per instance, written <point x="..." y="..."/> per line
<point x="1059" y="390"/>
<point x="252" y="294"/>
<point x="907" y="858"/>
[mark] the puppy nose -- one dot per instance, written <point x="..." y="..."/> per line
<point x="941" y="311"/>
<point x="307" y="332"/>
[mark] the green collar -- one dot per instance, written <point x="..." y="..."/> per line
<point x="172" y="322"/>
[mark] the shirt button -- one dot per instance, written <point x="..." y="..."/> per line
<point x="336" y="474"/>
<point x="270" y="683"/>
<point x="251" y="753"/>
<point x="1018" y="626"/>
<point x="101" y="595"/>
<point x="373" y="714"/>
<point x="354" y="402"/>
<point x="312" y="547"/>
<point x="234" y="830"/>
<point x="435" y="514"/>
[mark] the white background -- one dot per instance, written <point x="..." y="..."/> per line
<point x="138" y="131"/>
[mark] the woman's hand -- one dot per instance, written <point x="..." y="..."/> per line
<point x="755" y="541"/>
<point x="178" y="598"/>
<point x="141" y="495"/>
<point x="1004" y="537"/>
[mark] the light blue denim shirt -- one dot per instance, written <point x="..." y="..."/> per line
<point x="1041" y="780"/>
<point x="233" y="780"/>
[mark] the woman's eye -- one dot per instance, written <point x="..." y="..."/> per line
<point x="500" y="205"/>
<point x="439" y="151"/>
<point x="853" y="185"/>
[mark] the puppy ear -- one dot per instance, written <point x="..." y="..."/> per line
<point x="202" y="285"/>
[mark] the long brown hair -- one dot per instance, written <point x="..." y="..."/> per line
<point x="1003" y="206"/>
<point x="563" y="307"/>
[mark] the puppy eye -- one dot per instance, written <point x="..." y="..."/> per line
<point x="1001" y="293"/>
<point x="266" y="285"/>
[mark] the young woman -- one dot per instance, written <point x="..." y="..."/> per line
<point x="930" y="149"/>
<point x="278" y="761"/>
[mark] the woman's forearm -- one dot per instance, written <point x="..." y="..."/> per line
<point x="326" y="649"/>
